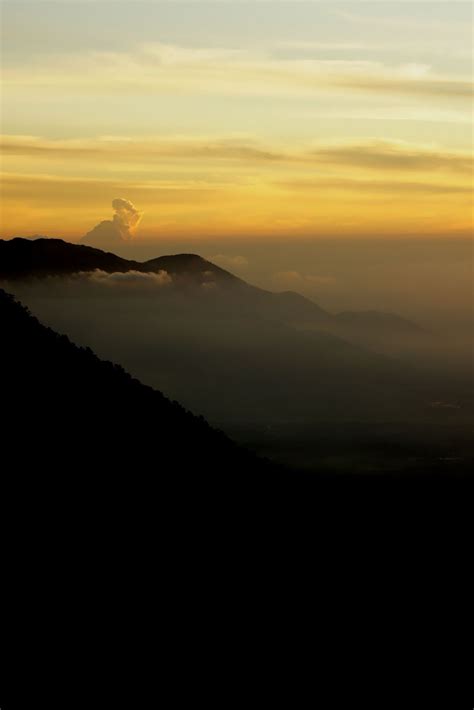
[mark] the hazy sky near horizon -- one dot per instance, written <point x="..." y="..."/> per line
<point x="238" y="119"/>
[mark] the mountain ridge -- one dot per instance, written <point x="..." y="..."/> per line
<point x="22" y="258"/>
<point x="229" y="353"/>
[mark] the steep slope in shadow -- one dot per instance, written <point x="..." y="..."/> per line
<point x="66" y="410"/>
<point x="213" y="353"/>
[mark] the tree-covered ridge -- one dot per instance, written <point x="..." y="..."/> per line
<point x="71" y="400"/>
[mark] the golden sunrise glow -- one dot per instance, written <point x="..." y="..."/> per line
<point x="307" y="133"/>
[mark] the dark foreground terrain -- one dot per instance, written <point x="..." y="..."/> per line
<point x="134" y="536"/>
<point x="436" y="447"/>
<point x="75" y="424"/>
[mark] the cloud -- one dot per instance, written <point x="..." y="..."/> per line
<point x="408" y="22"/>
<point x="126" y="217"/>
<point x="442" y="113"/>
<point x="310" y="46"/>
<point x="103" y="234"/>
<point x="375" y="154"/>
<point x="392" y="155"/>
<point x="45" y="189"/>
<point x="229" y="260"/>
<point x="173" y="69"/>
<point x="140" y="279"/>
<point x="120" y="229"/>
<point x="125" y="149"/>
<point x="411" y="85"/>
<point x="99" y="283"/>
<point x="373" y="187"/>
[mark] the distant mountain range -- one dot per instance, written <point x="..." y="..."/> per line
<point x="36" y="258"/>
<point x="237" y="354"/>
<point x="233" y="352"/>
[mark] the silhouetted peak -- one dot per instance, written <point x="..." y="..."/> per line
<point x="190" y="264"/>
<point x="20" y="258"/>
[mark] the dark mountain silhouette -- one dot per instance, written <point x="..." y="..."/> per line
<point x="25" y="258"/>
<point x="194" y="266"/>
<point x="120" y="509"/>
<point x="30" y="258"/>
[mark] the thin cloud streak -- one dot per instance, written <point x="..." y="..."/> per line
<point x="371" y="187"/>
<point x="169" y="69"/>
<point x="129" y="148"/>
<point x="371" y="155"/>
<point x="387" y="155"/>
<point x="39" y="189"/>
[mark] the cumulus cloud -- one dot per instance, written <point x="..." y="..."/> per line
<point x="121" y="228"/>
<point x="126" y="217"/>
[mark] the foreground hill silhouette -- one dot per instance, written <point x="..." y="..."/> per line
<point x="126" y="519"/>
<point x="82" y="413"/>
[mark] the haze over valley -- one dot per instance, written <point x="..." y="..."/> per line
<point x="273" y="369"/>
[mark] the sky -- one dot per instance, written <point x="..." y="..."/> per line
<point x="238" y="121"/>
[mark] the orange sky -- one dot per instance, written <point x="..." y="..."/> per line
<point x="311" y="120"/>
